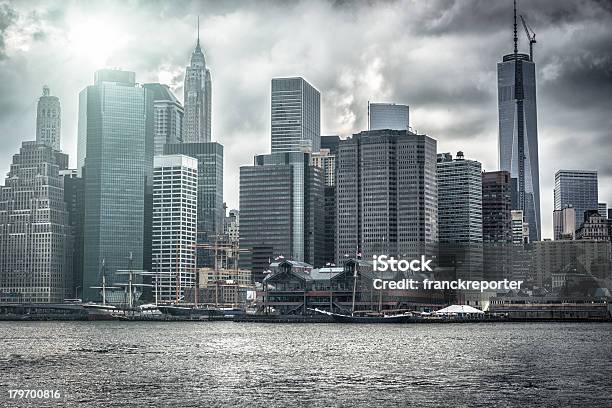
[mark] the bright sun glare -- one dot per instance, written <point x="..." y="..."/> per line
<point x="94" y="40"/>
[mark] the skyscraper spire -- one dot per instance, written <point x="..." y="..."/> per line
<point x="515" y="35"/>
<point x="198" y="44"/>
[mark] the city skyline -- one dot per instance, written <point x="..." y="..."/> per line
<point x="458" y="110"/>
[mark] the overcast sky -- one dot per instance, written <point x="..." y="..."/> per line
<point x="439" y="57"/>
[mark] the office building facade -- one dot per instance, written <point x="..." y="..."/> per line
<point x="115" y="155"/>
<point x="496" y="224"/>
<point x="74" y="197"/>
<point x="281" y="205"/>
<point x="388" y="116"/>
<point x="167" y="117"/>
<point x="386" y="195"/>
<point x="175" y="193"/>
<point x="460" y="215"/>
<point x="295" y="116"/>
<point x="35" y="234"/>
<point x="577" y="189"/>
<point x="211" y="212"/>
<point x="564" y="223"/>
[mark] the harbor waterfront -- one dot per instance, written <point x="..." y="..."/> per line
<point x="227" y="364"/>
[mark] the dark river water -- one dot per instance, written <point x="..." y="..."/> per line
<point x="204" y="364"/>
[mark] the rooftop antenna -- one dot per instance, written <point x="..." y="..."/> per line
<point x="515" y="35"/>
<point x="199" y="27"/>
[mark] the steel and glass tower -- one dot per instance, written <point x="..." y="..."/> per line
<point x="115" y="156"/>
<point x="518" y="132"/>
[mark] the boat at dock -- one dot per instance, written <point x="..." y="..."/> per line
<point x="370" y="318"/>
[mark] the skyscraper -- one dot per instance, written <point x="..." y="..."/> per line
<point x="295" y="116"/>
<point x="386" y="195"/>
<point x="518" y="132"/>
<point x="48" y="120"/>
<point x="167" y="116"/>
<point x="197" y="98"/>
<point x="74" y="190"/>
<point x="388" y="116"/>
<point x="496" y="224"/>
<point x="116" y="156"/>
<point x="35" y="244"/>
<point x="460" y="214"/>
<point x="175" y="191"/>
<point x="578" y="189"/>
<point x="281" y="205"/>
<point x="326" y="161"/>
<point x="603" y="209"/>
<point x="211" y="212"/>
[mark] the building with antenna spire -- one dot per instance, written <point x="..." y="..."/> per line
<point x="197" y="98"/>
<point x="518" y="132"/>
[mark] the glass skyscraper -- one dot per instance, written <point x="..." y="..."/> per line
<point x="518" y="134"/>
<point x="295" y="116"/>
<point x="578" y="189"/>
<point x="115" y="155"/>
<point x="388" y="116"/>
<point x="281" y="205"/>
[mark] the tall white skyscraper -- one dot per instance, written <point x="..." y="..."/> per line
<point x="48" y="120"/>
<point x="175" y="192"/>
<point x="197" y="98"/>
<point x="388" y="116"/>
<point x="295" y="116"/>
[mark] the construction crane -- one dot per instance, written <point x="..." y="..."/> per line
<point x="530" y="36"/>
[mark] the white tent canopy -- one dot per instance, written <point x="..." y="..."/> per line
<point x="458" y="309"/>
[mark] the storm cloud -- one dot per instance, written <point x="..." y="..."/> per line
<point x="437" y="56"/>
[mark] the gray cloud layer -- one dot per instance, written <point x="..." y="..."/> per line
<point x="437" y="56"/>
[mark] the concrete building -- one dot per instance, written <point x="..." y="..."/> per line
<point x="564" y="223"/>
<point x="115" y="156"/>
<point x="496" y="224"/>
<point x="231" y="226"/>
<point x="35" y="234"/>
<point x="518" y="132"/>
<point x="197" y="124"/>
<point x="295" y="116"/>
<point x="211" y="212"/>
<point x="281" y="205"/>
<point x="577" y="189"/>
<point x="460" y="215"/>
<point x="520" y="229"/>
<point x="386" y="195"/>
<point x="175" y="193"/>
<point x="388" y="116"/>
<point x="594" y="227"/>
<point x="167" y="117"/>
<point x="48" y="120"/>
